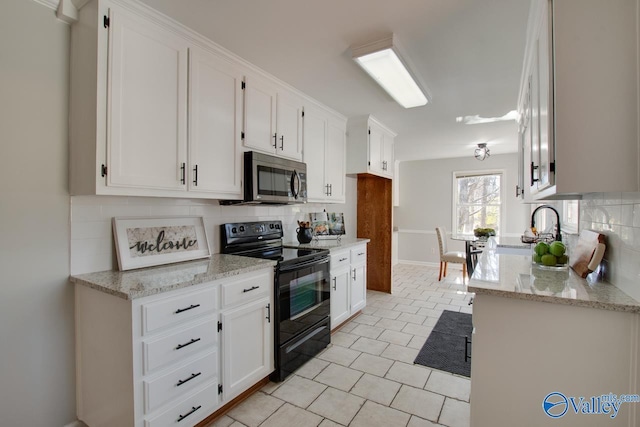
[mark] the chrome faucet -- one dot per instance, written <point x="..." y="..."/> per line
<point x="533" y="220"/>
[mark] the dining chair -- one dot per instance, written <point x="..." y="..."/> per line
<point x="449" y="256"/>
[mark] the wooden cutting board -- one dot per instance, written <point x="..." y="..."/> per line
<point x="580" y="257"/>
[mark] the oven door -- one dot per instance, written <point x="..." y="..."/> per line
<point x="303" y="297"/>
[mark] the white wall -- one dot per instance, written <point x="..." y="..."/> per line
<point x="426" y="192"/>
<point x="93" y="249"/>
<point x="37" y="372"/>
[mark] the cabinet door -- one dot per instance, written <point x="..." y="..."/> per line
<point x="147" y="108"/>
<point x="358" y="287"/>
<point x="376" y="140"/>
<point x="215" y="123"/>
<point x="315" y="135"/>
<point x="335" y="161"/>
<point x="545" y="151"/>
<point x="289" y="126"/>
<point x="535" y="122"/>
<point x="260" y="115"/>
<point x="247" y="345"/>
<point x="387" y="156"/>
<point x="340" y="307"/>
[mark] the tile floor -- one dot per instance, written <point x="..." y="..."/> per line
<point x="367" y="376"/>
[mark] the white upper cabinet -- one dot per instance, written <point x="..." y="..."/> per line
<point x="324" y="154"/>
<point x="370" y="148"/>
<point x="215" y="125"/>
<point x="578" y="97"/>
<point x="273" y="119"/>
<point x="147" y="105"/>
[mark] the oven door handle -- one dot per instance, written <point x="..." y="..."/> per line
<point x="315" y="261"/>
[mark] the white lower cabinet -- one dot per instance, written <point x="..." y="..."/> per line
<point x="348" y="283"/>
<point x="174" y="358"/>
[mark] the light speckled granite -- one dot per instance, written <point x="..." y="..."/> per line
<point x="154" y="280"/>
<point x="513" y="276"/>
<point x="331" y="244"/>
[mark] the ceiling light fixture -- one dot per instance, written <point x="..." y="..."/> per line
<point x="384" y="63"/>
<point x="482" y="152"/>
<point x="476" y="120"/>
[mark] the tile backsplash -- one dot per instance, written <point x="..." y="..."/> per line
<point x="616" y="215"/>
<point x="92" y="244"/>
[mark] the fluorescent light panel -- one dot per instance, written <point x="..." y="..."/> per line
<point x="381" y="61"/>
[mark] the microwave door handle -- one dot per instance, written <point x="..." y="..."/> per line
<point x="295" y="184"/>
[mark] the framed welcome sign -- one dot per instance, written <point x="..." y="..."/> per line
<point x="144" y="242"/>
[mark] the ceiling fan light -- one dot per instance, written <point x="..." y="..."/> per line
<point x="482" y="152"/>
<point x="382" y="61"/>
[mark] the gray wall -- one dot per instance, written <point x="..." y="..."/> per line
<point x="36" y="300"/>
<point x="426" y="192"/>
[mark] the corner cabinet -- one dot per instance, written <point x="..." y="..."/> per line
<point x="578" y="98"/>
<point x="348" y="283"/>
<point x="324" y="154"/>
<point x="152" y="113"/>
<point x="370" y="147"/>
<point x="172" y="358"/>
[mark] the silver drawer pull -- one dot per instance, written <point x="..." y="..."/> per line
<point x="360" y="253"/>
<point x="193" y="409"/>
<point x="194" y="340"/>
<point x="343" y="259"/>
<point x="191" y="307"/>
<point x="188" y="379"/>
<point x="250" y="289"/>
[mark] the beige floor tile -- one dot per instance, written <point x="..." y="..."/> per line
<point x="387" y="313"/>
<point x="328" y="423"/>
<point x="394" y="325"/>
<point x="369" y="345"/>
<point x="418" y="402"/>
<point x="223" y="421"/>
<point x="417" y="342"/>
<point x="376" y="389"/>
<point x="299" y="391"/>
<point x="237" y="424"/>
<point x="337" y="405"/>
<point x="413" y="318"/>
<point x="290" y="416"/>
<point x="312" y="368"/>
<point x="372" y="364"/>
<point x="420" y="330"/>
<point x="430" y="321"/>
<point x="366" y="319"/>
<point x="433" y="312"/>
<point x="449" y="307"/>
<point x="419" y="422"/>
<point x="340" y="355"/>
<point x="257" y="408"/>
<point x="375" y="415"/>
<point x="348" y="327"/>
<point x="455" y="414"/>
<point x="423" y="304"/>
<point x="367" y="331"/>
<point x="339" y="377"/>
<point x="343" y="339"/>
<point x="413" y="375"/>
<point x="398" y="352"/>
<point x="405" y="308"/>
<point x="450" y="385"/>
<point x="395" y="337"/>
<point x="270" y="387"/>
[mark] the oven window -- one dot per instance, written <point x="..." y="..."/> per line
<point x="305" y="294"/>
<point x="273" y="181"/>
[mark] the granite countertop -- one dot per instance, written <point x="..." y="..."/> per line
<point x="331" y="244"/>
<point x="154" y="280"/>
<point x="513" y="276"/>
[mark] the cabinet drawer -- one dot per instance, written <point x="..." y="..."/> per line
<point x="245" y="290"/>
<point x="340" y="259"/>
<point x="359" y="255"/>
<point x="170" y="348"/>
<point x="173" y="310"/>
<point x="179" y="381"/>
<point x="188" y="412"/>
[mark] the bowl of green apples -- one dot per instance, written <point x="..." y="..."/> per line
<point x="552" y="256"/>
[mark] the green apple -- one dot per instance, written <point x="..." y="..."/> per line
<point x="549" y="260"/>
<point x="557" y="249"/>
<point x="541" y="248"/>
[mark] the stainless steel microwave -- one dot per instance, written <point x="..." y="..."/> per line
<point x="270" y="179"/>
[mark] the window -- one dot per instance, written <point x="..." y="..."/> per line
<point x="477" y="201"/>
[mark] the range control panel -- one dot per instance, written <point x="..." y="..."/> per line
<point x="249" y="232"/>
